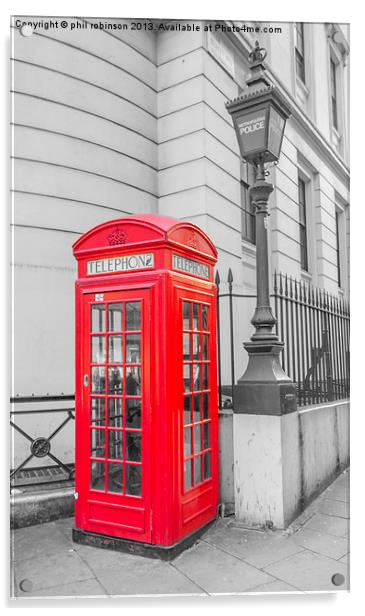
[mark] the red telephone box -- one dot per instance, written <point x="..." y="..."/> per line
<point x="146" y="385"/>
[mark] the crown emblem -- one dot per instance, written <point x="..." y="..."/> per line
<point x="193" y="240"/>
<point x="117" y="236"/>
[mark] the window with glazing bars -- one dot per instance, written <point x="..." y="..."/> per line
<point x="302" y="224"/>
<point x="299" y="51"/>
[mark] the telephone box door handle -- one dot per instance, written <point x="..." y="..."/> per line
<point x="86" y="380"/>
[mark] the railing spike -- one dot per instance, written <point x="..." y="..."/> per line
<point x="230" y="276"/>
<point x="217" y="278"/>
<point x="280" y="284"/>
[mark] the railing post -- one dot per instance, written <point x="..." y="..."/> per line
<point x="230" y="281"/>
<point x="217" y="282"/>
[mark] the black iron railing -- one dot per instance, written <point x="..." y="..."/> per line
<point x="315" y="327"/>
<point x="40" y="446"/>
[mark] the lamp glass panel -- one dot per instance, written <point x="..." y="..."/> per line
<point x="251" y="129"/>
<point x="276" y="129"/>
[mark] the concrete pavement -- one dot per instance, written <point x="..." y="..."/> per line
<point x="227" y="559"/>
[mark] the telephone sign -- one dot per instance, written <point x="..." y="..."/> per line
<point x="146" y="385"/>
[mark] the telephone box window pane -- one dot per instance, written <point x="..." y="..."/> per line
<point x="196" y="316"/>
<point x="207" y="465"/>
<point x="98" y="380"/>
<point x="205" y="346"/>
<point x="197" y="377"/>
<point x="98" y="443"/>
<point x="133" y="315"/>
<point x="205" y="317"/>
<point x="115" y="349"/>
<point x="197" y="439"/>
<point x="187" y="377"/>
<point x="187" y="474"/>
<point x="98" y="411"/>
<point x="98" y="318"/>
<point x="197" y="399"/>
<point x="115" y="478"/>
<point x="115" y="444"/>
<point x="133" y="348"/>
<point x="98" y="354"/>
<point x="133" y="382"/>
<point x="197" y="469"/>
<point x="187" y="410"/>
<point x="205" y="406"/>
<point x="205" y="376"/>
<point x="186" y="346"/>
<point x="133" y="446"/>
<point x="186" y="315"/>
<point x="206" y="431"/>
<point x="115" y="318"/>
<point x="133" y="410"/>
<point x="196" y="348"/>
<point x="97" y="476"/>
<point x="133" y="479"/>
<point x="115" y="380"/>
<point x="115" y="412"/>
<point x="187" y="442"/>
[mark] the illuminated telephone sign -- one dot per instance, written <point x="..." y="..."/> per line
<point x="146" y="385"/>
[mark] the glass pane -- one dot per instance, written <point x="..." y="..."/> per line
<point x="115" y="318"/>
<point x="197" y="439"/>
<point x="98" y="380"/>
<point x="207" y="465"/>
<point x="197" y="470"/>
<point x="97" y="476"/>
<point x="205" y="376"/>
<point x="205" y="346"/>
<point x="197" y="398"/>
<point x="206" y="435"/>
<point x="187" y="377"/>
<point x="98" y="411"/>
<point x="133" y="348"/>
<point x="133" y="382"/>
<point x="115" y="349"/>
<point x="133" y="452"/>
<point x="186" y="315"/>
<point x="187" y="442"/>
<point x="196" y="316"/>
<point x="133" y="315"/>
<point x="133" y="480"/>
<point x="98" y="318"/>
<point x="98" y="443"/>
<point x="187" y="409"/>
<point x="115" y="412"/>
<point x="115" y="444"/>
<point x="205" y="317"/>
<point x="197" y="377"/>
<point x="115" y="380"/>
<point x="187" y="474"/>
<point x="98" y="355"/>
<point x="186" y="346"/>
<point x="196" y="348"/>
<point x="133" y="410"/>
<point x="205" y="406"/>
<point x="115" y="478"/>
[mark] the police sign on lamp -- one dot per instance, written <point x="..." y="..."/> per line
<point x="259" y="114"/>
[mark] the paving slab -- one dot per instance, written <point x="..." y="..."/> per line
<point x="33" y="541"/>
<point x="254" y="547"/>
<point x="276" y="586"/>
<point x="330" y="525"/>
<point x="309" y="572"/>
<point x="218" y="572"/>
<point x="345" y="559"/>
<point x="334" y="507"/>
<point x="322" y="543"/>
<point x="83" y="588"/>
<point x="144" y="576"/>
<point x="339" y="492"/>
<point x="48" y="570"/>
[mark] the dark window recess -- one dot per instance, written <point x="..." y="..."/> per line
<point x="333" y="69"/>
<point x="338" y="249"/>
<point x="299" y="51"/>
<point x="302" y="225"/>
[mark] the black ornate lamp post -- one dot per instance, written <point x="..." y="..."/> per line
<point x="259" y="116"/>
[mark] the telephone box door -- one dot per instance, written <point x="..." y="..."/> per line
<point x="113" y="427"/>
